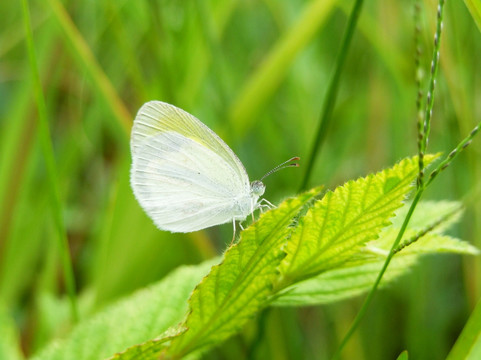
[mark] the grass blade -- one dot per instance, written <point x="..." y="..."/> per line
<point x="468" y="345"/>
<point x="474" y="7"/>
<point x="48" y="153"/>
<point x="262" y="84"/>
<point x="331" y="95"/>
<point x="87" y="60"/>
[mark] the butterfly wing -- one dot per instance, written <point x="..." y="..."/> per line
<point x="183" y="175"/>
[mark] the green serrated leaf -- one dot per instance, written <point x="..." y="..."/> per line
<point x="429" y="220"/>
<point x="428" y="212"/>
<point x="435" y="243"/>
<point x="345" y="219"/>
<point x="346" y="261"/>
<point x="239" y="287"/>
<point x="357" y="275"/>
<point x="235" y="289"/>
<point x="135" y="320"/>
<point x="340" y="284"/>
<point x="149" y="349"/>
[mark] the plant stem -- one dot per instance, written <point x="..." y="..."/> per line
<point x="389" y="257"/>
<point x="122" y="119"/>
<point x="419" y="97"/>
<point x="52" y="179"/>
<point x="395" y="246"/>
<point x="460" y="147"/>
<point x="423" y="142"/>
<point x="427" y="229"/>
<point x="432" y="85"/>
<point x="331" y="95"/>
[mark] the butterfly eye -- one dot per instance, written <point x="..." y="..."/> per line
<point x="258" y="188"/>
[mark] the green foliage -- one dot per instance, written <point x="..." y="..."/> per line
<point x="241" y="285"/>
<point x="344" y="220"/>
<point x="344" y="237"/>
<point x="136" y="319"/>
<point x="475" y="10"/>
<point x="256" y="72"/>
<point x="267" y="77"/>
<point x="356" y="275"/>
<point x="9" y="339"/>
<point x="468" y="345"/>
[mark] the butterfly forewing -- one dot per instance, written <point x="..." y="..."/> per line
<point x="183" y="175"/>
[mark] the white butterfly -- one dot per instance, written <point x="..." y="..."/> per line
<point x="184" y="176"/>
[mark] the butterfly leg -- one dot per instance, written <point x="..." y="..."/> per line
<point x="253" y="207"/>
<point x="267" y="204"/>
<point x="233" y="233"/>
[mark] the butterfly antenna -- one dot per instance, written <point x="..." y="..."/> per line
<point x="285" y="164"/>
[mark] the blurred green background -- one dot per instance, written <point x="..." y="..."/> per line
<point x="256" y="72"/>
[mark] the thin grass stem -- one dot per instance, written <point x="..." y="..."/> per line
<point x="331" y="95"/>
<point x="453" y="154"/>
<point x="421" y="187"/>
<point x="52" y="179"/>
<point x="428" y="229"/>
<point x="83" y="54"/>
<point x="218" y="58"/>
<point x="418" y="79"/>
<point x="370" y="295"/>
<point x="432" y="80"/>
<point x="396" y="247"/>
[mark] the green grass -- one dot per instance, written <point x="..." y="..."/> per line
<point x="257" y="73"/>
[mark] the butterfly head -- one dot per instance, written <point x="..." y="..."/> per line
<point x="257" y="188"/>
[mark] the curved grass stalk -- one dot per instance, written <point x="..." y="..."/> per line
<point x="82" y="53"/>
<point x="397" y="246"/>
<point x="419" y="97"/>
<point x="370" y="295"/>
<point x="424" y="135"/>
<point x="52" y="178"/>
<point x="447" y="161"/>
<point x="432" y="85"/>
<point x="331" y="94"/>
